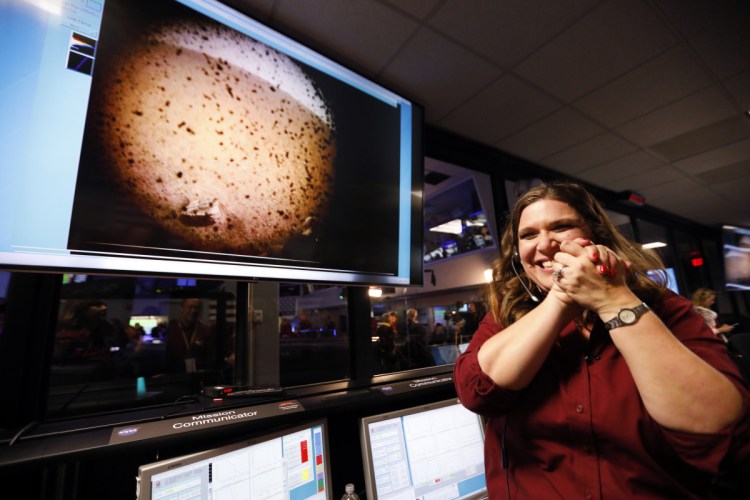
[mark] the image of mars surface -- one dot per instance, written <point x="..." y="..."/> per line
<point x="223" y="141"/>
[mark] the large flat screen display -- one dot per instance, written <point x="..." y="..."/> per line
<point x="429" y="451"/>
<point x="185" y="138"/>
<point x="291" y="464"/>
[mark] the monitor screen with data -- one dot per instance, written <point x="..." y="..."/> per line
<point x="429" y="451"/>
<point x="184" y="138"/>
<point x="291" y="463"/>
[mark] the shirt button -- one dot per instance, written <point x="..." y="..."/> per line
<point x="579" y="408"/>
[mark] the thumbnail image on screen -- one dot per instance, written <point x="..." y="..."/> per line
<point x="291" y="463"/>
<point x="430" y="451"/>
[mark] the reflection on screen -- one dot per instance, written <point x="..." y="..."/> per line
<point x="428" y="452"/>
<point x="290" y="465"/>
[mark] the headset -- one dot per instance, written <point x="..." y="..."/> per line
<point x="517" y="257"/>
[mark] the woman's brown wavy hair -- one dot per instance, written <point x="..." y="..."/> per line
<point x="509" y="301"/>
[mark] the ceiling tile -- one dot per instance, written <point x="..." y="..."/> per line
<point x="734" y="171"/>
<point x="739" y="88"/>
<point x="613" y="38"/>
<point x="589" y="153"/>
<point x="735" y="201"/>
<point x="726" y="50"/>
<point x="675" y="194"/>
<point x="364" y="34"/>
<point x="726" y="155"/>
<point x="736" y="190"/>
<point x="707" y="138"/>
<point x="663" y="80"/>
<point x="693" y="17"/>
<point x="717" y="31"/>
<point x="652" y="180"/>
<point x="439" y="73"/>
<point x="417" y="8"/>
<point x="554" y="133"/>
<point x="695" y="111"/>
<point x="707" y="208"/>
<point x="501" y="109"/>
<point x="506" y="32"/>
<point x="622" y="168"/>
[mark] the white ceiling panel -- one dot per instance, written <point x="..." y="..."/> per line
<point x="654" y="180"/>
<point x="439" y="73"/>
<point x="501" y="109"/>
<point x="505" y="32"/>
<point x="739" y="88"/>
<point x="373" y="31"/>
<point x="614" y="175"/>
<point x="417" y="8"/>
<point x="614" y="38"/>
<point x="660" y="81"/>
<point x="554" y="133"/>
<point x="592" y="152"/>
<point x="727" y="155"/>
<point x="697" y="110"/>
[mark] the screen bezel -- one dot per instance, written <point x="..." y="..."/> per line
<point x="367" y="455"/>
<point x="147" y="471"/>
<point x="411" y="235"/>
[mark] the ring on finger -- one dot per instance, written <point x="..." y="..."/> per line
<point x="559" y="273"/>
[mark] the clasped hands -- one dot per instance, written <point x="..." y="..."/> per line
<point x="588" y="274"/>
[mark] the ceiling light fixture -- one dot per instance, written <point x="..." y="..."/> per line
<point x="654" y="244"/>
<point x="450" y="227"/>
<point x="488" y="275"/>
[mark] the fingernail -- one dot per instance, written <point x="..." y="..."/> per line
<point x="612" y="272"/>
<point x="602" y="269"/>
<point x="596" y="256"/>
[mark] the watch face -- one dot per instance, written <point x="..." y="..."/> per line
<point x="627" y="316"/>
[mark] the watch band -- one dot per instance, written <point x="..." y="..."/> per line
<point x="627" y="316"/>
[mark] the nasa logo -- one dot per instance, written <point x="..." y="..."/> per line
<point x="128" y="432"/>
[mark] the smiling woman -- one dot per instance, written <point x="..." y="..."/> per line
<point x="542" y="227"/>
<point x="600" y="342"/>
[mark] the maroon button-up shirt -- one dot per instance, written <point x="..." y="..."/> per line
<point x="580" y="429"/>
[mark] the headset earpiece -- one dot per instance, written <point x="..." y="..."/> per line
<point x="517" y="260"/>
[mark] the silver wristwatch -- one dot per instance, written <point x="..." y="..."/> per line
<point x="627" y="316"/>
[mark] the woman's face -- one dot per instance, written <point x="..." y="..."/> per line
<point x="543" y="225"/>
<point x="710" y="300"/>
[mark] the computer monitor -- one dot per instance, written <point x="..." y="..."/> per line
<point x="291" y="463"/>
<point x="670" y="276"/>
<point x="433" y="451"/>
<point x="445" y="354"/>
<point x="184" y="138"/>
